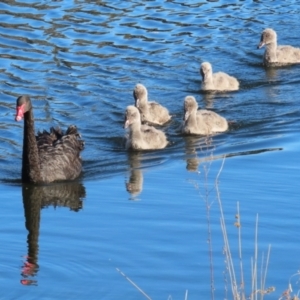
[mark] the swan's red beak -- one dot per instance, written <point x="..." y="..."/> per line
<point x="20" y="112"/>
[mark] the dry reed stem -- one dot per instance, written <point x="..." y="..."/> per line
<point x="287" y="294"/>
<point x="239" y="293"/>
<point x="229" y="260"/>
<point x="186" y="295"/>
<point x="206" y="169"/>
<point x="238" y="225"/>
<point x="135" y="285"/>
<point x="208" y="206"/>
<point x="254" y="269"/>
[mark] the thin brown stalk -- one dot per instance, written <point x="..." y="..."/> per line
<point x="135" y="285"/>
<point x="210" y="250"/>
<point x="261" y="277"/>
<point x="238" y="292"/>
<point x="229" y="260"/>
<point x="254" y="269"/>
<point x="266" y="267"/>
<point x="186" y="295"/>
<point x="242" y="287"/>
<point x="206" y="168"/>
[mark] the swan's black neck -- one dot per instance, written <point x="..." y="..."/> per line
<point x="32" y="209"/>
<point x="31" y="162"/>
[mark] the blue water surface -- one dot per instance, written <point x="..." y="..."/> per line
<point x="149" y="220"/>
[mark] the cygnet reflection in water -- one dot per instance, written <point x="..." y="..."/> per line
<point x="197" y="150"/>
<point x="134" y="185"/>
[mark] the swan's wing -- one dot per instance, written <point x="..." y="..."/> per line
<point x="288" y="54"/>
<point x="154" y="138"/>
<point x="72" y="129"/>
<point x="223" y="81"/>
<point x="158" y="113"/>
<point x="156" y="107"/>
<point x="48" y="138"/>
<point x="214" y="122"/>
<point x="148" y="129"/>
<point x="61" y="160"/>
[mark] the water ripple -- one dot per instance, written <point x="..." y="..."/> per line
<point x="79" y="63"/>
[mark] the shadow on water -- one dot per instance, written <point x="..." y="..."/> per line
<point x="35" y="198"/>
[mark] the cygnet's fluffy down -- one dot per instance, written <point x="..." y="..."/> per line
<point x="276" y="54"/>
<point x="219" y="81"/>
<point x="202" y="122"/>
<point x="151" y="112"/>
<point x="142" y="137"/>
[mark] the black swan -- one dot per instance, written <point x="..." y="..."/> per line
<point x="48" y="156"/>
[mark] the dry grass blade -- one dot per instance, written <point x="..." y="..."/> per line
<point x="135" y="285"/>
<point x="287" y="294"/>
<point x="238" y="292"/>
<point x="229" y="260"/>
<point x="238" y="225"/>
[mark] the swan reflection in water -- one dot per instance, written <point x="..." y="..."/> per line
<point x="134" y="185"/>
<point x="35" y="198"/>
<point x="209" y="98"/>
<point x="205" y="146"/>
<point x="195" y="144"/>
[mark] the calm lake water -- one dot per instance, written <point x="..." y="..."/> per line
<point x="145" y="214"/>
